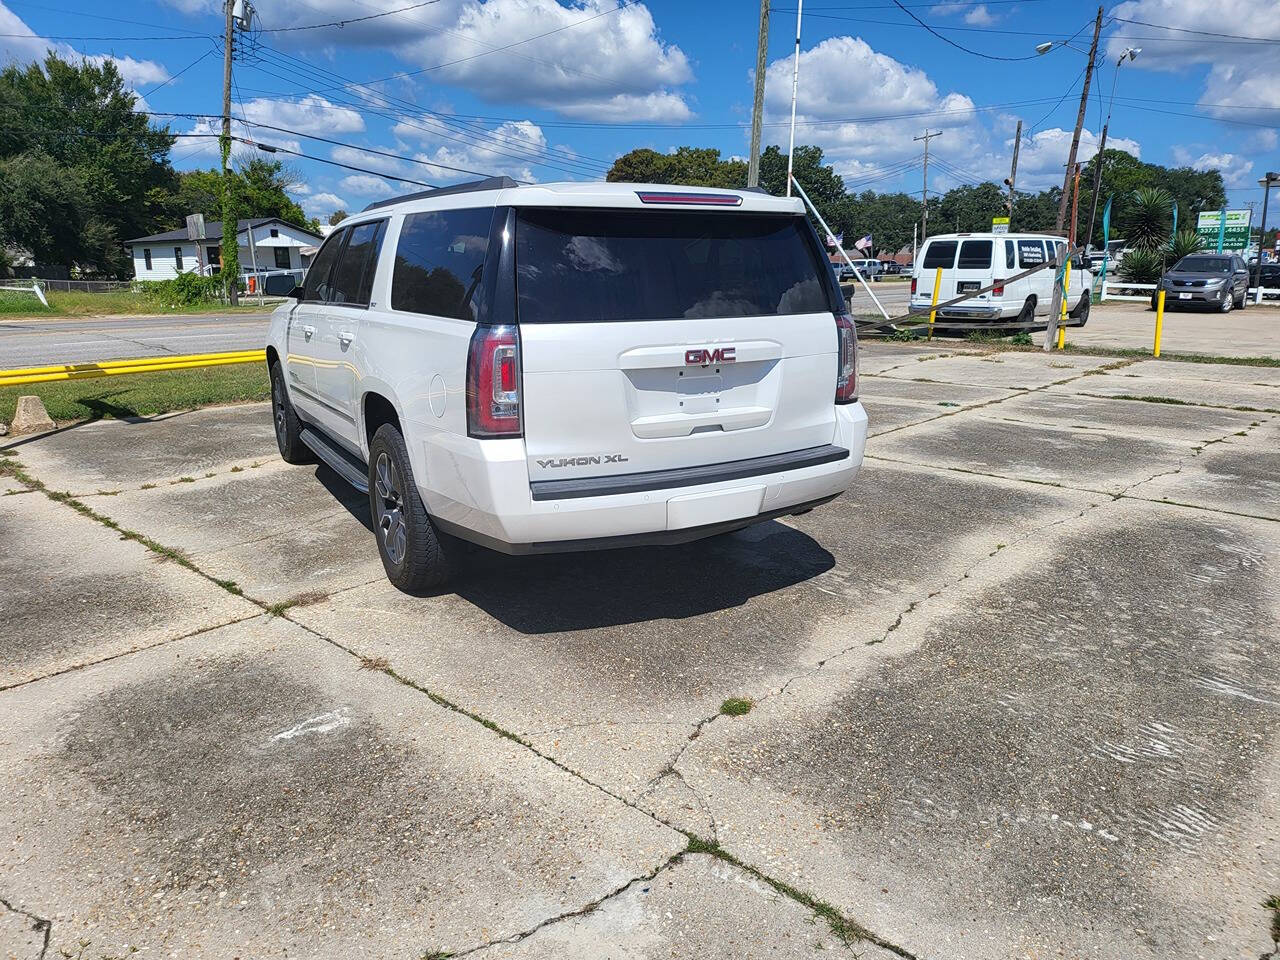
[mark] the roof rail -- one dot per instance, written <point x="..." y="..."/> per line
<point x="489" y="183"/>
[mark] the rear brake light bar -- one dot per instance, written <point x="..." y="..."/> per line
<point x="692" y="199"/>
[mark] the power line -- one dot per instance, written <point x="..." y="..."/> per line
<point x="335" y="163"/>
<point x="96" y="16"/>
<point x="342" y="23"/>
<point x="1201" y="33"/>
<point x="165" y="83"/>
<point x="59" y="36"/>
<point x="969" y="50"/>
<point x="486" y="139"/>
<point x="336" y="143"/>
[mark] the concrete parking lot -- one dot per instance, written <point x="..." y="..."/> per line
<point x="1014" y="695"/>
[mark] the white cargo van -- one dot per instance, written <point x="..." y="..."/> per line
<point x="974" y="261"/>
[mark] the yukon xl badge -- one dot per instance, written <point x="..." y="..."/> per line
<point x="705" y="357"/>
<point x="582" y="461"/>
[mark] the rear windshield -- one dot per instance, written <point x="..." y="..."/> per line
<point x="940" y="253"/>
<point x="613" y="265"/>
<point x="975" y="255"/>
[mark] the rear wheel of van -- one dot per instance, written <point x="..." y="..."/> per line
<point x="414" y="553"/>
<point x="1027" y="315"/>
<point x="1081" y="313"/>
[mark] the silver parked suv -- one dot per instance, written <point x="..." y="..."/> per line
<point x="1213" y="281"/>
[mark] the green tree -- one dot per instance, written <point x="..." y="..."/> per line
<point x="82" y="170"/>
<point x="337" y="217"/>
<point x="689" y="166"/>
<point x="969" y="208"/>
<point x="819" y="181"/>
<point x="1123" y="175"/>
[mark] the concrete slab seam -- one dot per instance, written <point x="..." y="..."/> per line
<point x="38" y="924"/>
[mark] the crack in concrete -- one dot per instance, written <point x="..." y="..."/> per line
<point x="582" y="911"/>
<point x="39" y="925"/>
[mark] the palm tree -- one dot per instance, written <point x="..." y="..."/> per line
<point x="1151" y="218"/>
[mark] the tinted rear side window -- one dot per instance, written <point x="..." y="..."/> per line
<point x="1008" y="254"/>
<point x="1030" y="253"/>
<point x="610" y="265"/>
<point x="316" y="287"/>
<point x="975" y="255"/>
<point x="352" y="278"/>
<point x="940" y="253"/>
<point x="439" y="260"/>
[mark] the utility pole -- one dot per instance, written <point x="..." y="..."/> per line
<point x="1075" y="206"/>
<point x="924" y="216"/>
<point x="230" y="253"/>
<point x="757" y="109"/>
<point x="1013" y="172"/>
<point x="1075" y="139"/>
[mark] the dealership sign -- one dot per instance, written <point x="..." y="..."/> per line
<point x="1235" y="236"/>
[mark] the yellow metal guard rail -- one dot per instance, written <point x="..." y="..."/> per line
<point x="112" y="368"/>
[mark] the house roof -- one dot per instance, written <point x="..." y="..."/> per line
<point x="213" y="231"/>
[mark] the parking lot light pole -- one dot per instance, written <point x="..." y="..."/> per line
<point x="1267" y="180"/>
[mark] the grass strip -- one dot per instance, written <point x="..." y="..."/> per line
<point x="143" y="394"/>
<point x="79" y="303"/>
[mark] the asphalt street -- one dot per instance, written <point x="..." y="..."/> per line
<point x="1015" y="694"/>
<point x="37" y="342"/>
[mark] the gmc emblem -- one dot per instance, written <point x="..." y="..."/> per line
<point x="703" y="357"/>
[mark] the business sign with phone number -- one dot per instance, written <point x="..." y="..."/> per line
<point x="1234" y="237"/>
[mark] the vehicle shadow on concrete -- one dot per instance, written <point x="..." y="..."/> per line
<point x="560" y="592"/>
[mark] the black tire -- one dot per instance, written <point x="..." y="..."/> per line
<point x="1080" y="315"/>
<point x="1244" y="299"/>
<point x="416" y="556"/>
<point x="1027" y="315"/>
<point x="285" y="418"/>
<point x="1228" y="303"/>
<point x="1155" y="302"/>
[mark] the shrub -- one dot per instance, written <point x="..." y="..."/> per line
<point x="184" y="290"/>
<point x="1142" y="266"/>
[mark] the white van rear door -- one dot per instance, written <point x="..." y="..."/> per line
<point x="657" y="340"/>
<point x="973" y="268"/>
<point x="938" y="253"/>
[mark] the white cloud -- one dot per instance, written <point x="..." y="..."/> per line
<point x="301" y="189"/>
<point x="503" y="150"/>
<point x="1042" y="159"/>
<point x="311" y="114"/>
<point x="1235" y="169"/>
<point x="843" y="78"/>
<point x="980" y="16"/>
<point x="323" y="204"/>
<point x="26" y="46"/>
<point x="1242" y="82"/>
<point x="366" y="185"/>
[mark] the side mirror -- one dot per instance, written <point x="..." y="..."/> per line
<point x="295" y="293"/>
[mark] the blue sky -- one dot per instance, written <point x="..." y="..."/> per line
<point x="548" y="90"/>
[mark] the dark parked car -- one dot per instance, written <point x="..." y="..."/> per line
<point x="1212" y="281"/>
<point x="890" y="268"/>
<point x="1269" y="279"/>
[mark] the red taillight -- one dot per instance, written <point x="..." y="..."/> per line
<point x="847" y="361"/>
<point x="998" y="289"/>
<point x="493" y="382"/>
<point x="913" y="286"/>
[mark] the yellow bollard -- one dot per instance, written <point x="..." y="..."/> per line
<point x="1066" y="298"/>
<point x="937" y="283"/>
<point x="1159" y="322"/>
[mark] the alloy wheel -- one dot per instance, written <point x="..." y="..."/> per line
<point x="390" y="499"/>
<point x="278" y="406"/>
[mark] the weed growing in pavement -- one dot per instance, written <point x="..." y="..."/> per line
<point x="374" y="663"/>
<point x="1021" y="339"/>
<point x="147" y="486"/>
<point x="183" y="480"/>
<point x="736" y="706"/>
<point x="848" y="931"/>
<point x="301" y="600"/>
<point x="237" y="469"/>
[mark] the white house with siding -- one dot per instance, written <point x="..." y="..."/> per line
<point x="276" y="245"/>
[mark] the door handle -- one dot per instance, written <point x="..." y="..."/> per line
<point x="345" y="337"/>
<point x="308" y="332"/>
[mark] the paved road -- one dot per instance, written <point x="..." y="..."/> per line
<point x="1015" y="695"/>
<point x="29" y="343"/>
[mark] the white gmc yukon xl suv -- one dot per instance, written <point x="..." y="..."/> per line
<point x="569" y="367"/>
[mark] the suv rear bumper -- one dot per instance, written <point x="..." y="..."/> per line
<point x="489" y="499"/>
